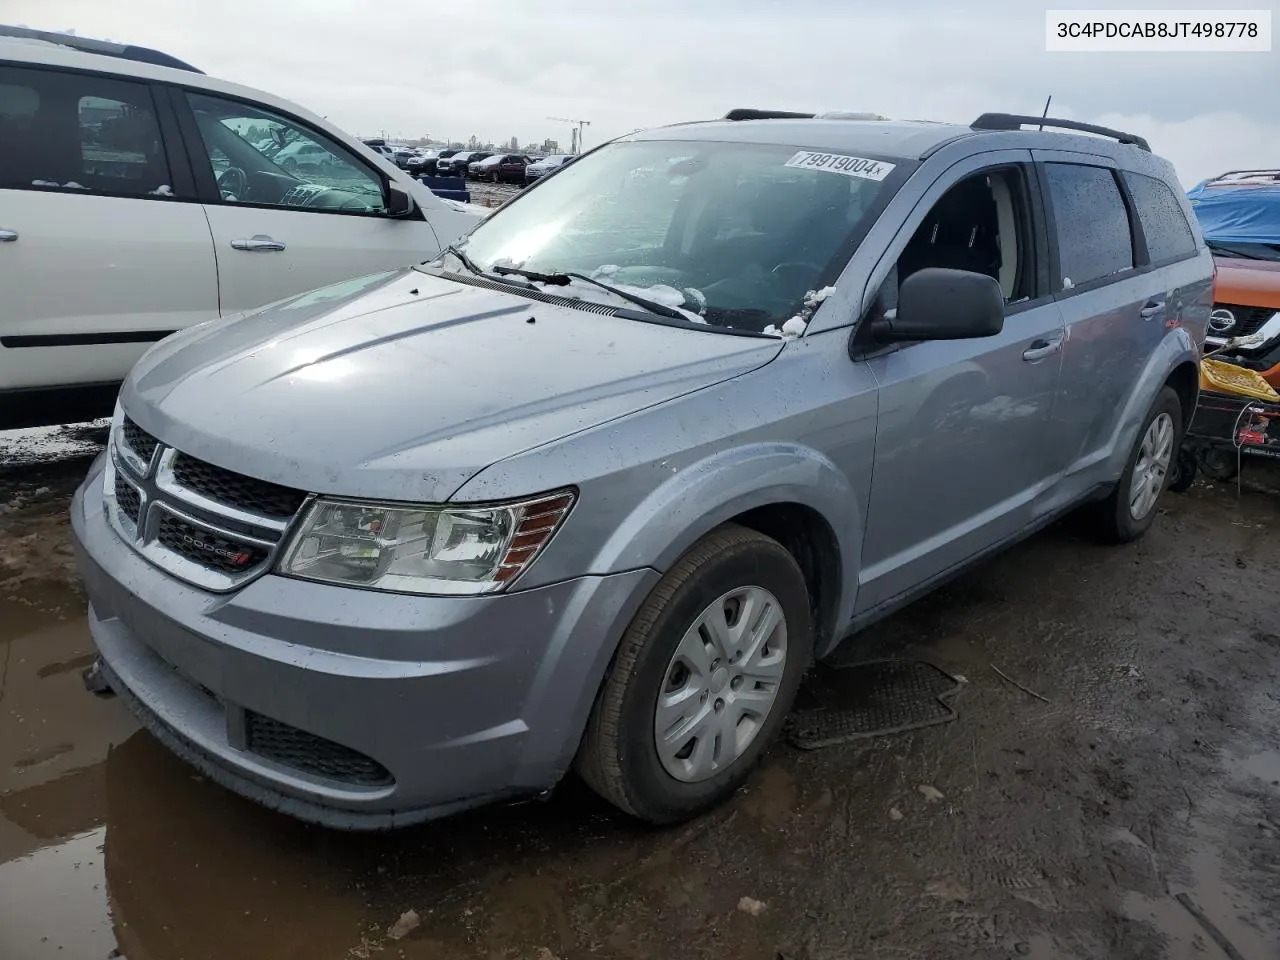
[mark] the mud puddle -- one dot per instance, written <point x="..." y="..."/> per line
<point x="1054" y="826"/>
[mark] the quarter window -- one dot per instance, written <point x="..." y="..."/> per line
<point x="260" y="158"/>
<point x="1094" y="239"/>
<point x="1164" y="225"/>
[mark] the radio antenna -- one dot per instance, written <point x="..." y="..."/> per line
<point x="1046" y="109"/>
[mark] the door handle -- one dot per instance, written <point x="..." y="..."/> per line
<point x="258" y="242"/>
<point x="8" y="236"/>
<point x="1040" y="349"/>
<point x="1151" y="309"/>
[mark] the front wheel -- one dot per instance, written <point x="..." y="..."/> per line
<point x="1130" y="510"/>
<point x="702" y="680"/>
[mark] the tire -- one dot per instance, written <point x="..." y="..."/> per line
<point x="1116" y="520"/>
<point x="619" y="756"/>
<point x="1184" y="473"/>
<point x="1218" y="464"/>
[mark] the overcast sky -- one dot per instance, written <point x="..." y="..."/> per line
<point x="498" y="68"/>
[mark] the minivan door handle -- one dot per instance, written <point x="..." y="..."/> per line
<point x="8" y="236"/>
<point x="1040" y="349"/>
<point x="1151" y="309"/>
<point x="258" y="242"/>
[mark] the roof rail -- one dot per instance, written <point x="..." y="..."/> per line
<point x="750" y="113"/>
<point x="1235" y="175"/>
<point x="102" y="48"/>
<point x="1014" y="121"/>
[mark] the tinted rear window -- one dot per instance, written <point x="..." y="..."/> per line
<point x="1094" y="239"/>
<point x="1168" y="234"/>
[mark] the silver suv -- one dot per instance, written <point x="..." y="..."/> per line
<point x="594" y="488"/>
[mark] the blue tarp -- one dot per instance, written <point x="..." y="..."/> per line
<point x="1243" y="214"/>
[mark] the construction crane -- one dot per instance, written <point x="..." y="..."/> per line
<point x="576" y="133"/>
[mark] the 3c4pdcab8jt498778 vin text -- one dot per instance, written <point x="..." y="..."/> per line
<point x="592" y="489"/>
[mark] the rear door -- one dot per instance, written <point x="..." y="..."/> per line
<point x="1114" y="307"/>
<point x="316" y="217"/>
<point x="103" y="247"/>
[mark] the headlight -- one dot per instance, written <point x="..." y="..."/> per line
<point x="433" y="550"/>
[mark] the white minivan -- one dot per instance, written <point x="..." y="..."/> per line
<point x="139" y="196"/>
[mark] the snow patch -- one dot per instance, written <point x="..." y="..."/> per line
<point x="164" y="190"/>
<point x="797" y="325"/>
<point x="72" y="185"/>
<point x="605" y="271"/>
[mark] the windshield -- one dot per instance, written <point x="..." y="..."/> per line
<point x="734" y="234"/>
<point x="1246" y="251"/>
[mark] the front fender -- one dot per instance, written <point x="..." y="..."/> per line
<point x="697" y="499"/>
<point x="1175" y="349"/>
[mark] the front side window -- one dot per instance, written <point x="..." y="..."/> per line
<point x="979" y="225"/>
<point x="1165" y="226"/>
<point x="77" y="132"/>
<point x="260" y="158"/>
<point x="1094" y="238"/>
<point x="733" y="233"/>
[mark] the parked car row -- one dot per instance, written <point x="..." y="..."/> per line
<point x="484" y="165"/>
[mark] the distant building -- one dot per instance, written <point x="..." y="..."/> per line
<point x="550" y="147"/>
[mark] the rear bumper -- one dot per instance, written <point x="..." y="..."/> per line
<point x="460" y="701"/>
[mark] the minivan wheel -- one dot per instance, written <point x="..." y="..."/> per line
<point x="702" y="679"/>
<point x="1130" y="510"/>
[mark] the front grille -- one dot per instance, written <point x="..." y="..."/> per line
<point x="236" y="490"/>
<point x="1248" y="319"/>
<point x="206" y="548"/>
<point x="139" y="441"/>
<point x="206" y="525"/>
<point x="311" y="754"/>
<point x="128" y="498"/>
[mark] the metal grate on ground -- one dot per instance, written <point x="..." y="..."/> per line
<point x="872" y="699"/>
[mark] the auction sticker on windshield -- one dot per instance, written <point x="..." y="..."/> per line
<point x="841" y="163"/>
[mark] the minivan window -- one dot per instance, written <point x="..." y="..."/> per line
<point x="72" y="131"/>
<point x="1094" y="238"/>
<point x="1164" y="224"/>
<point x="735" y="233"/>
<point x="261" y="158"/>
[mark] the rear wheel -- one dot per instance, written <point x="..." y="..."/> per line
<point x="702" y="680"/>
<point x="1130" y="510"/>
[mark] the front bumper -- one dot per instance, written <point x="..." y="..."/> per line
<point x="460" y="700"/>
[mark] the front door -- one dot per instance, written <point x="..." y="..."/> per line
<point x="296" y="210"/>
<point x="965" y="443"/>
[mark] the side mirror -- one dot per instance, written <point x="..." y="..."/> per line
<point x="941" y="304"/>
<point x="399" y="203"/>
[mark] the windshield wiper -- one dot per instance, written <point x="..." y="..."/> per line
<point x="559" y="279"/>
<point x="563" y="279"/>
<point x="465" y="260"/>
<point x="653" y="306"/>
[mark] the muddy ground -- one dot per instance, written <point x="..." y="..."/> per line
<point x="1062" y="827"/>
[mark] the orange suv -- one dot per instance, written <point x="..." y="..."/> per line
<point x="1239" y="213"/>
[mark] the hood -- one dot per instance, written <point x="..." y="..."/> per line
<point x="1250" y="283"/>
<point x="403" y="386"/>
